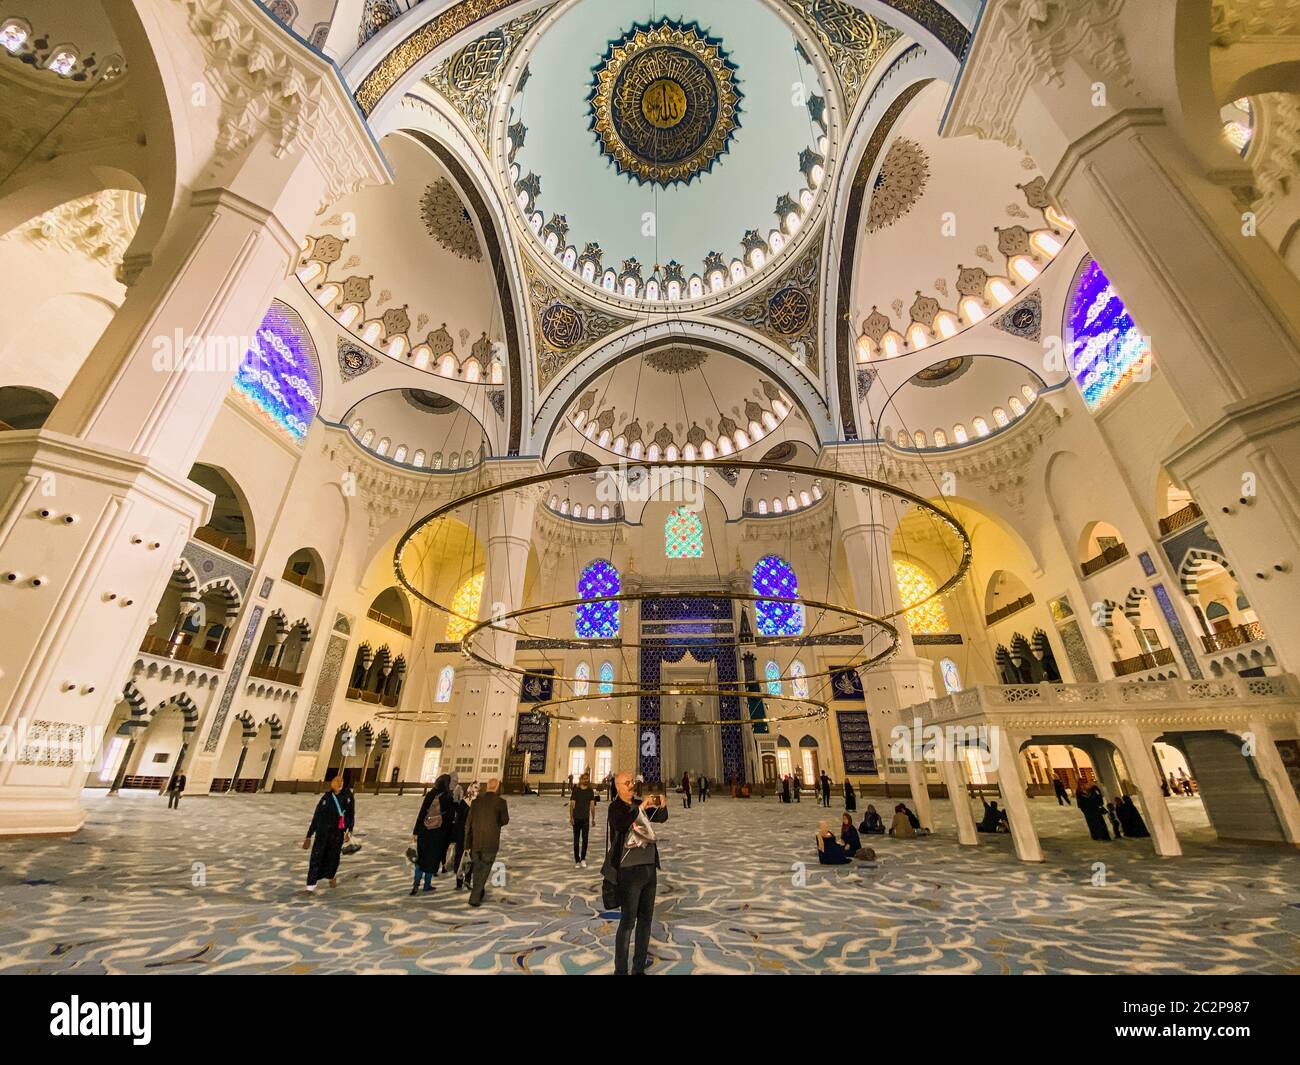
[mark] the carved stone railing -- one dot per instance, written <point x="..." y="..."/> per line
<point x="1226" y="695"/>
<point x="1237" y="636"/>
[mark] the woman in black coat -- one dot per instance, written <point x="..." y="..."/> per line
<point x="850" y="798"/>
<point x="432" y="832"/>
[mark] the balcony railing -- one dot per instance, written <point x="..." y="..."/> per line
<point x="280" y="676"/>
<point x="392" y="623"/>
<point x="1237" y="636"/>
<point x="1111" y="554"/>
<point x="1179" y="518"/>
<point x="1006" y="611"/>
<point x="303" y="581"/>
<point x="1161" y="656"/>
<point x="182" y="652"/>
<point x="362" y="696"/>
<point x="223" y="543"/>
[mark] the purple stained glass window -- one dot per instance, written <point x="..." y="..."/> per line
<point x="597" y="621"/>
<point x="279" y="373"/>
<point x="773" y="575"/>
<point x="1107" y="350"/>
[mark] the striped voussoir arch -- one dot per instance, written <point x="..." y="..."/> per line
<point x="277" y="625"/>
<point x="249" y="726"/>
<point x="188" y="710"/>
<point x="1193" y="562"/>
<point x="186" y="581"/>
<point x="1133" y="604"/>
<point x="139" y="718"/>
<point x="276" y="726"/>
<point x="1108" y="609"/>
<point x="305" y="625"/>
<point x="226" y="589"/>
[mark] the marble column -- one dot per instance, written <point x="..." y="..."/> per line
<point x="1140" y="761"/>
<point x="96" y="506"/>
<point x="1273" y="774"/>
<point x="954" y="778"/>
<point x="1023" y="833"/>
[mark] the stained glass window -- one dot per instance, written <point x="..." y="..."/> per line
<point x="914" y="584"/>
<point x="1106" y="349"/>
<point x="773" y="575"/>
<point x="445" y="680"/>
<point x="951" y="678"/>
<point x="799" y="680"/>
<point x="582" y="679"/>
<point x="606" y="678"/>
<point x="466" y="601"/>
<point x="683" y="534"/>
<point x="279" y="374"/>
<point x="773" y="673"/>
<point x="597" y="621"/>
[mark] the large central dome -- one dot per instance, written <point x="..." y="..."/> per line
<point x="668" y="158"/>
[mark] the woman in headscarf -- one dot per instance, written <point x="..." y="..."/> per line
<point x="829" y="849"/>
<point x="432" y="832"/>
<point x="459" y="815"/>
<point x="872" y="822"/>
<point x="850" y="797"/>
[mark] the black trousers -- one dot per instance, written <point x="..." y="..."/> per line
<point x="173" y="800"/>
<point x="636" y="898"/>
<point x="581" y="829"/>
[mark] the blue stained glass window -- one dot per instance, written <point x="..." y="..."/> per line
<point x="773" y="575"/>
<point x="597" y="621"/>
<point x="606" y="678"/>
<point x="582" y="679"/>
<point x="773" y="673"/>
<point x="279" y="373"/>
<point x="1107" y="350"/>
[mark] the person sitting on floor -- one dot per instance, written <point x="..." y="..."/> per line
<point x="872" y="824"/>
<point x="829" y="849"/>
<point x="995" y="819"/>
<point x="902" y="827"/>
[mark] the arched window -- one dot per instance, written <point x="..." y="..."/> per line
<point x="597" y="621"/>
<point x="606" y="678"/>
<point x="382" y="449"/>
<point x="773" y="674"/>
<point x="959" y="434"/>
<point x="951" y="678"/>
<point x="1017" y="408"/>
<point x="773" y="575"/>
<point x="940" y="438"/>
<point x="683" y="534"/>
<point x="981" y="426"/>
<point x="400" y="454"/>
<point x="914" y="584"/>
<point x="446" y="679"/>
<point x="582" y="680"/>
<point x="1000" y="418"/>
<point x="1107" y="348"/>
<point x="468" y="598"/>
<point x="419" y="459"/>
<point x="799" y="680"/>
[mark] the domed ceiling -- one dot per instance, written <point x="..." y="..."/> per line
<point x="646" y="150"/>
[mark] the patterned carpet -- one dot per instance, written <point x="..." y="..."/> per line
<point x="216" y="888"/>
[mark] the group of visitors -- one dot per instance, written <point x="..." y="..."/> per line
<point x="841" y="849"/>
<point x="1180" y="785"/>
<point x="1122" y="813"/>
<point x="700" y="783"/>
<point x="791" y="787"/>
<point x="466" y="818"/>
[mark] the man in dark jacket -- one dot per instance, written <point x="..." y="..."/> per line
<point x="826" y="789"/>
<point x="175" y="789"/>
<point x="487" y="816"/>
<point x="634" y="868"/>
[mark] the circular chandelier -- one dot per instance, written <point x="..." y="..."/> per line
<point x="475" y="641"/>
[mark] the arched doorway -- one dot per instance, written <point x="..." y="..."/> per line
<point x="604" y="755"/>
<point x="809" y="765"/>
<point x="431" y="763"/>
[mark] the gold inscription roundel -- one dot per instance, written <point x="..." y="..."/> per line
<point x="664" y="102"/>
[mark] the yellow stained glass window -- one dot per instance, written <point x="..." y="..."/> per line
<point x="466" y="602"/>
<point x="914" y="584"/>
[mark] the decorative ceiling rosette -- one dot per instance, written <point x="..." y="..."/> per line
<point x="448" y="222"/>
<point x="903" y="175"/>
<point x="664" y="102"/>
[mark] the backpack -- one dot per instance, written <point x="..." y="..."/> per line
<point x="433" y="818"/>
